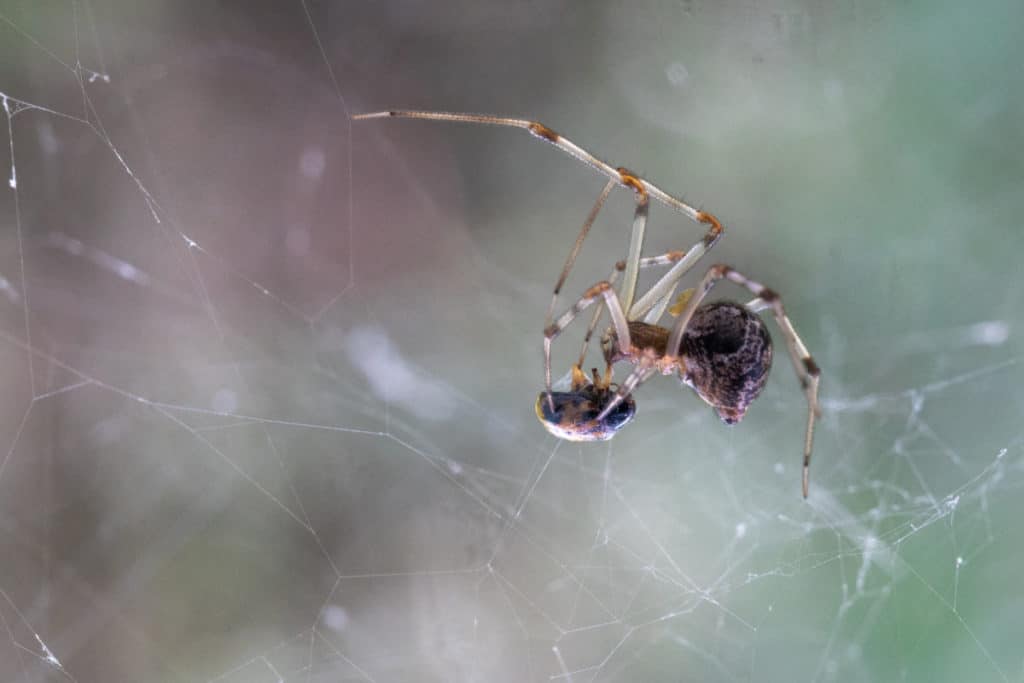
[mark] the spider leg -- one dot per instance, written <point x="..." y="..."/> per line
<point x="806" y="369"/>
<point x="661" y="291"/>
<point x="636" y="241"/>
<point x="658" y="309"/>
<point x="539" y="130"/>
<point x="597" y="315"/>
<point x="566" y="268"/>
<point x="631" y="266"/>
<point x="640" y="374"/>
<point x="665" y="288"/>
<point x="602" y="290"/>
<point x="574" y="252"/>
<point x="757" y="305"/>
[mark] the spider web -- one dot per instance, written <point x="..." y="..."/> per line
<point x="269" y="374"/>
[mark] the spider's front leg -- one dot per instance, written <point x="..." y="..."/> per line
<point x="646" y="366"/>
<point x="603" y="290"/>
<point x="592" y="411"/>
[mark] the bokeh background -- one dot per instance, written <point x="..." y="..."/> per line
<point x="269" y="373"/>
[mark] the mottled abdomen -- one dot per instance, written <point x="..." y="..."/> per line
<point x="728" y="354"/>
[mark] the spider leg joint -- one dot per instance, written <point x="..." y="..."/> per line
<point x="597" y="290"/>
<point x="543" y="132"/>
<point x="632" y="181"/>
<point x="716" y="227"/>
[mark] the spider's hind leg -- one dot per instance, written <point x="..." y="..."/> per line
<point x="806" y="369"/>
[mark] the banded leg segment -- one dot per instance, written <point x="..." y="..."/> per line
<point x="636" y="243"/>
<point x="630" y="267"/>
<point x="602" y="290"/>
<point x="574" y="252"/>
<point x="662" y="289"/>
<point x="539" y="130"/>
<point x="640" y="374"/>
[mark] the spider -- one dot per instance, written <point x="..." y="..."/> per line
<point x="722" y="350"/>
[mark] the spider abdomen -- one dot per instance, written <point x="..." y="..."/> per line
<point x="727" y="353"/>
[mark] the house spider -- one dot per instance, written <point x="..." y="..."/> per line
<point x="722" y="350"/>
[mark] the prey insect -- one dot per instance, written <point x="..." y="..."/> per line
<point x="579" y="414"/>
<point x="722" y="350"/>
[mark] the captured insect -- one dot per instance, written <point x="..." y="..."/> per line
<point x="722" y="350"/>
<point x="580" y="414"/>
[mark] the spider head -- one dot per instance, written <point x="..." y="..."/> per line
<point x="572" y="415"/>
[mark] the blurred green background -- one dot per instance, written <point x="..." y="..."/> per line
<point x="269" y="373"/>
